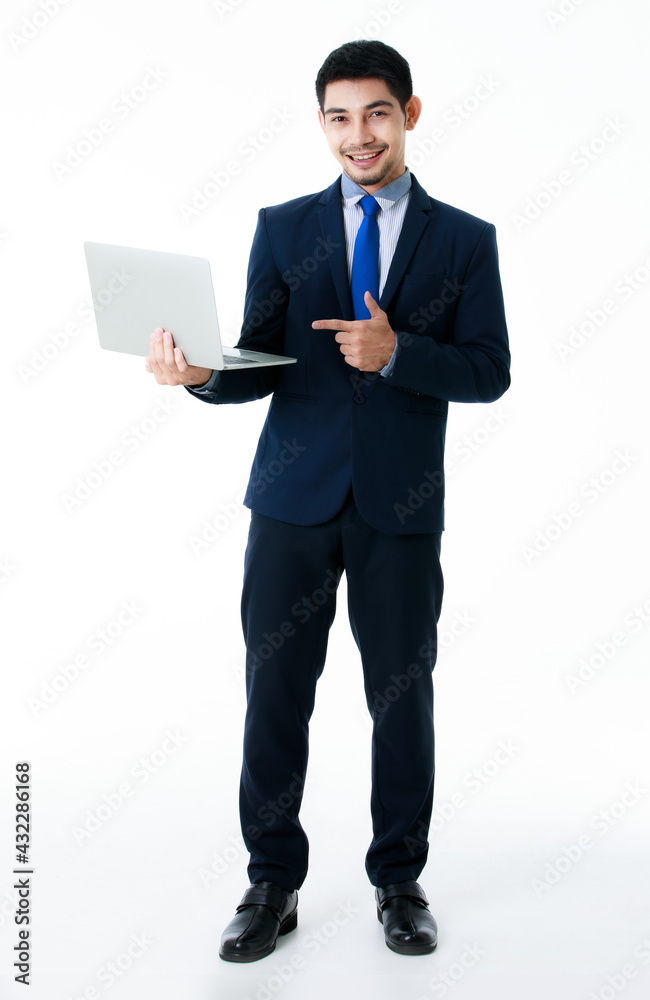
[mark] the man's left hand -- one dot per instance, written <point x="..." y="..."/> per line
<point x="367" y="344"/>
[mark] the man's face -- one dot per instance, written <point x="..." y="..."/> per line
<point x="366" y="130"/>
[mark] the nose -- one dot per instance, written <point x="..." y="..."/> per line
<point x="361" y="132"/>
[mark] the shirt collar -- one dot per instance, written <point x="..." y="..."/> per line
<point x="389" y="194"/>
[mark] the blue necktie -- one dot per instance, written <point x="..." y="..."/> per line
<point x="365" y="262"/>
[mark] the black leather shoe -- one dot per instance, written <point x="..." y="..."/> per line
<point x="266" y="910"/>
<point x="403" y="909"/>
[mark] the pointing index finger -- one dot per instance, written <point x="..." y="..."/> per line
<point x="331" y="324"/>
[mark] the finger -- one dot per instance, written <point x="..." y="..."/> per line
<point x="331" y="324"/>
<point x="163" y="357"/>
<point x="152" y="363"/>
<point x="179" y="358"/>
<point x="373" y="308"/>
<point x="156" y="352"/>
<point x="168" y="348"/>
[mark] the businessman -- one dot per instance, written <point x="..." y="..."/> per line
<point x="391" y="301"/>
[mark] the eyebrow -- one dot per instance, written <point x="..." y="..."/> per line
<point x="368" y="107"/>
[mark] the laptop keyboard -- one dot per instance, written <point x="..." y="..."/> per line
<point x="235" y="360"/>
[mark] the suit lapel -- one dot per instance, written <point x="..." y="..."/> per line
<point x="331" y="221"/>
<point x="416" y="219"/>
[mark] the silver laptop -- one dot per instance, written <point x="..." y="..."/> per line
<point x="134" y="291"/>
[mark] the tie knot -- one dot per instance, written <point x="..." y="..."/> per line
<point x="369" y="205"/>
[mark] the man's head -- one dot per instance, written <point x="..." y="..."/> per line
<point x="364" y="59"/>
<point x="366" y="106"/>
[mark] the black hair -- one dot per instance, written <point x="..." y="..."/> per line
<point x="363" y="59"/>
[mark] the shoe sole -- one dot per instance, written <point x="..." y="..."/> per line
<point x="407" y="949"/>
<point x="288" y="924"/>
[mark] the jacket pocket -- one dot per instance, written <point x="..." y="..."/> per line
<point x="428" y="406"/>
<point x="298" y="397"/>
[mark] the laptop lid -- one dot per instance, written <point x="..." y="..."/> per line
<point x="135" y="290"/>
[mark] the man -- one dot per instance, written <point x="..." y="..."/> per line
<point x="393" y="307"/>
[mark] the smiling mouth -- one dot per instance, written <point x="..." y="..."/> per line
<point x="364" y="158"/>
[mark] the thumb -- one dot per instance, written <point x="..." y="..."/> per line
<point x="373" y="308"/>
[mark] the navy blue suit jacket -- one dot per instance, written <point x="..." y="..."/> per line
<point x="329" y="425"/>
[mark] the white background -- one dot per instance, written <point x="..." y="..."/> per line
<point x="522" y="909"/>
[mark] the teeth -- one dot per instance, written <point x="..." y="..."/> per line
<point x="368" y="156"/>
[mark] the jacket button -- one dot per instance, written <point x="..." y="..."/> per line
<point x="359" y="397"/>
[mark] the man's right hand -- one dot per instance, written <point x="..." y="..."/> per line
<point x="167" y="364"/>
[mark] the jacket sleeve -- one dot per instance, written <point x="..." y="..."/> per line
<point x="474" y="366"/>
<point x="265" y="307"/>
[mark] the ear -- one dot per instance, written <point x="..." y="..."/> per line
<point x="321" y="118"/>
<point x="413" y="111"/>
